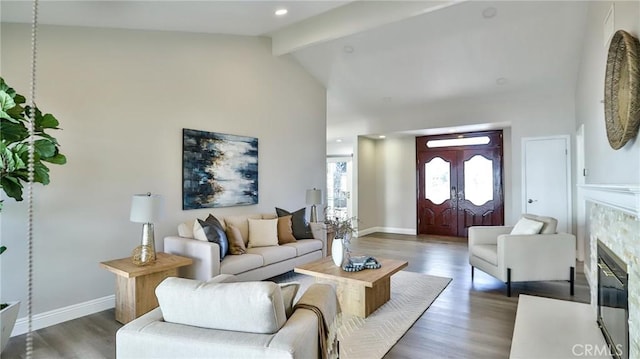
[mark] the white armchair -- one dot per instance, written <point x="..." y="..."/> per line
<point x="523" y="257"/>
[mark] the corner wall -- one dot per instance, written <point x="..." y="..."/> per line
<point x="123" y="98"/>
<point x="604" y="164"/>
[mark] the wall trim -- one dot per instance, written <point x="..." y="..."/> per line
<point x="64" y="314"/>
<point x="625" y="198"/>
<point x="394" y="230"/>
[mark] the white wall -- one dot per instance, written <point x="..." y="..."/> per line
<point x="397" y="184"/>
<point x="604" y="165"/>
<point x="123" y="98"/>
<point x="367" y="202"/>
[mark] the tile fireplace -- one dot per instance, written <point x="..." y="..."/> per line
<point x="613" y="221"/>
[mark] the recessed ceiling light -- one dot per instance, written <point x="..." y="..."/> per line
<point x="339" y="140"/>
<point x="501" y="81"/>
<point x="489" y="12"/>
<point x="348" y="49"/>
<point x="382" y="136"/>
<point x="281" y="12"/>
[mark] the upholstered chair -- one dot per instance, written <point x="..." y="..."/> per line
<point x="540" y="255"/>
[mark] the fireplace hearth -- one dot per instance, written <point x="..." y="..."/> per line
<point x="613" y="301"/>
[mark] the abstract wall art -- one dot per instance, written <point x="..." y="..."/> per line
<point x="218" y="170"/>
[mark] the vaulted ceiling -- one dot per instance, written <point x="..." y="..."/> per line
<point x="374" y="57"/>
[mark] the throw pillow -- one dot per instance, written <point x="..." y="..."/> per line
<point x="263" y="232"/>
<point x="289" y="291"/>
<point x="301" y="229"/>
<point x="527" y="226"/>
<point x="242" y="224"/>
<point x="285" y="233"/>
<point x="236" y="242"/>
<point x="211" y="230"/>
<point x="185" y="229"/>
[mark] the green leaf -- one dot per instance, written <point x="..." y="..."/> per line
<point x="4" y="87"/>
<point x="58" y="159"/>
<point x="45" y="148"/>
<point x="13" y="132"/>
<point x="48" y="137"/>
<point x="19" y="99"/>
<point x="40" y="173"/>
<point x="6" y="102"/>
<point x="17" y="113"/>
<point x="47" y="121"/>
<point x="7" y="160"/>
<point x="2" y="248"/>
<point x="12" y="187"/>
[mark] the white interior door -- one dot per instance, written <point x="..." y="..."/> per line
<point x="546" y="178"/>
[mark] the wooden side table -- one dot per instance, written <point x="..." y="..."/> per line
<point x="135" y="286"/>
<point x="331" y="234"/>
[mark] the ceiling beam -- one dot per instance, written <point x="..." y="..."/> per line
<point x="347" y="20"/>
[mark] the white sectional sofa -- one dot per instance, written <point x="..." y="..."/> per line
<point x="257" y="264"/>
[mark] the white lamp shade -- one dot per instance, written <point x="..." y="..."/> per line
<point x="314" y="196"/>
<point x="146" y="208"/>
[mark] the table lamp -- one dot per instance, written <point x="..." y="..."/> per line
<point x="314" y="197"/>
<point x="146" y="209"/>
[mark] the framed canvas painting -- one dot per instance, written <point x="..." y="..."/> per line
<point x="218" y="170"/>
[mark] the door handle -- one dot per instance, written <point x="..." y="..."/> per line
<point x="532" y="200"/>
<point x="454" y="197"/>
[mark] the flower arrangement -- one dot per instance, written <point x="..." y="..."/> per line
<point x="343" y="228"/>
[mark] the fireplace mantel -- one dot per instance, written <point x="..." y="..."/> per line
<point x="625" y="198"/>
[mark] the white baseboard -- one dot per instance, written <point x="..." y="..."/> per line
<point x="60" y="315"/>
<point x="395" y="230"/>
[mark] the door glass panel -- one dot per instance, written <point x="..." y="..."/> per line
<point x="437" y="180"/>
<point x="468" y="141"/>
<point x="478" y="180"/>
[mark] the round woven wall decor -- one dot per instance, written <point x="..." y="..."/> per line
<point x="622" y="89"/>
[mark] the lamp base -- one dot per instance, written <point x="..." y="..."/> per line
<point x="314" y="214"/>
<point x="149" y="240"/>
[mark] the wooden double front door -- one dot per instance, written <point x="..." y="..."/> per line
<point x="459" y="182"/>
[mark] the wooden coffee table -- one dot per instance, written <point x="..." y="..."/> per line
<point x="359" y="293"/>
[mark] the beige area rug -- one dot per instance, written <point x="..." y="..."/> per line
<point x="371" y="338"/>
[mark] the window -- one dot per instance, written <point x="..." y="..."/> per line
<point x="467" y="141"/>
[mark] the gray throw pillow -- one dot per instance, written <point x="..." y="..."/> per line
<point x="213" y="231"/>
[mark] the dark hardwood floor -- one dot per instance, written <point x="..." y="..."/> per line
<point x="468" y="320"/>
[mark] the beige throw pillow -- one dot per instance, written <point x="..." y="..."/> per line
<point x="236" y="242"/>
<point x="527" y="226"/>
<point x="185" y="229"/>
<point x="285" y="233"/>
<point x="263" y="232"/>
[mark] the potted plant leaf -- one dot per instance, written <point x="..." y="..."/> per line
<point x="14" y="159"/>
<point x="343" y="229"/>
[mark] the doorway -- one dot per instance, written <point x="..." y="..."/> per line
<point x="459" y="182"/>
<point x="339" y="178"/>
